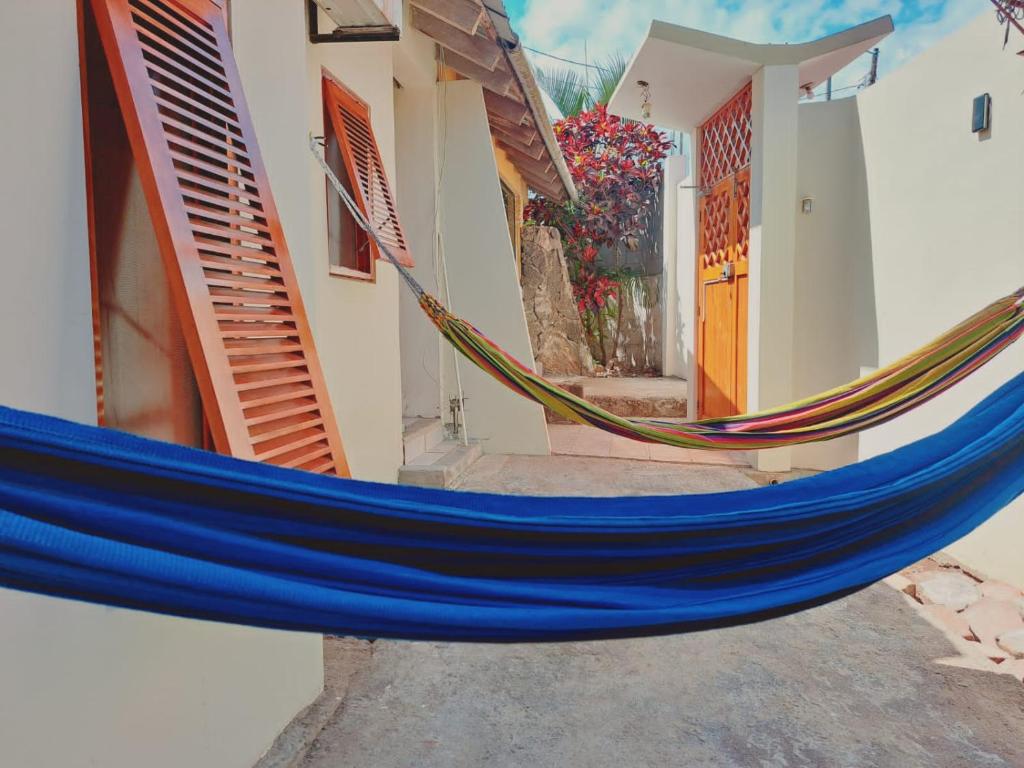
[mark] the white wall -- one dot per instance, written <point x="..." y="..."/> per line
<point x="773" y="160"/>
<point x="947" y="230"/>
<point x="416" y="157"/>
<point x="380" y="355"/>
<point x="677" y="251"/>
<point x="482" y="279"/>
<point x="415" y="112"/>
<point x="917" y="223"/>
<point x="834" y="328"/>
<point x="46" y="317"/>
<point x="82" y="685"/>
<point x="355" y="323"/>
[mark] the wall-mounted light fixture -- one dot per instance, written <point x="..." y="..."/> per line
<point x="645" y="99"/>
<point x="981" y="113"/>
<point x="806" y="205"/>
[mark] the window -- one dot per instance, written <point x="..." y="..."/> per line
<point x="348" y="246"/>
<point x="508" y="199"/>
<point x="206" y="336"/>
<point x="351" y="151"/>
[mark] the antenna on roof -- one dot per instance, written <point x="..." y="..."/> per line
<point x="873" y="74"/>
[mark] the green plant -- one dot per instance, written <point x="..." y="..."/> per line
<point x="616" y="166"/>
<point x="573" y="93"/>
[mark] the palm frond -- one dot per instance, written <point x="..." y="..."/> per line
<point x="566" y="88"/>
<point x="609" y="74"/>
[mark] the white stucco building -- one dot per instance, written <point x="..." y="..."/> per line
<point x="873" y="224"/>
<point x="179" y="269"/>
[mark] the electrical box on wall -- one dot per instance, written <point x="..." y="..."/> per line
<point x="981" y="114"/>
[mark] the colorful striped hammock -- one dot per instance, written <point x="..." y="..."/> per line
<point x="866" y="402"/>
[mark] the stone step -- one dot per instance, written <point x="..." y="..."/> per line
<point x="637" y="397"/>
<point x="441" y="466"/>
<point x="420" y="435"/>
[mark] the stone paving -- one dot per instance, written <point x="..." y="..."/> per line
<point x="578" y="440"/>
<point x="876" y="679"/>
<point x="982" y="618"/>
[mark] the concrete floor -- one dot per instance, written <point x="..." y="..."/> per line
<point x="853" y="683"/>
<point x="579" y="440"/>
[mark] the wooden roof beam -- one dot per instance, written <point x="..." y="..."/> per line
<point x="535" y="150"/>
<point x="506" y="108"/>
<point x="500" y="81"/>
<point x="539" y="167"/>
<point x="465" y="15"/>
<point x="479" y="50"/>
<point x="523" y="134"/>
<point x="549" y="187"/>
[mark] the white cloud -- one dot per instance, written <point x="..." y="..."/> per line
<point x="575" y="29"/>
<point x="910" y="39"/>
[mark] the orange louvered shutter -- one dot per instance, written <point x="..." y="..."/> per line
<point x="350" y="119"/>
<point x="220" y="236"/>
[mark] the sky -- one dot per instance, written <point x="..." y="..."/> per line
<point x="597" y="28"/>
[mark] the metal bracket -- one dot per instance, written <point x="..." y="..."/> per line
<point x="387" y="33"/>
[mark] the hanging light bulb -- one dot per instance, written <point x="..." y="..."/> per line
<point x="645" y="99"/>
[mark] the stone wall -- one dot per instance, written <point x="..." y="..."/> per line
<point x="639" y="348"/>
<point x="556" y="333"/>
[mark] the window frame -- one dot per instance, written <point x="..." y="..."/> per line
<point x="342" y="108"/>
<point x="332" y="198"/>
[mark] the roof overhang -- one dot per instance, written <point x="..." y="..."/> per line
<point x="691" y="73"/>
<point x="478" y="43"/>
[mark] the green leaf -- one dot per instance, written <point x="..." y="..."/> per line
<point x="608" y="77"/>
<point x="566" y="88"/>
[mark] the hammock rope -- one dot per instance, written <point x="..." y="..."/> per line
<point x="869" y="401"/>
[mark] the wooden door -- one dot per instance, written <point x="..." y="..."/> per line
<point x="722" y="271"/>
<point x="220" y="238"/>
<point x="724" y="148"/>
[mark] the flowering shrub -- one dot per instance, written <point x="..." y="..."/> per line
<point x="616" y="166"/>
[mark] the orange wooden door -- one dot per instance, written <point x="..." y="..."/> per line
<point x="220" y="237"/>
<point x="722" y="271"/>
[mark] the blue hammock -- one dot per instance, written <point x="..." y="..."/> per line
<point x="106" y="517"/>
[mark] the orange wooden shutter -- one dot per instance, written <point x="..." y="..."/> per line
<point x="350" y="119"/>
<point x="219" y="232"/>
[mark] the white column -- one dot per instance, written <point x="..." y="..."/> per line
<point x="415" y="137"/>
<point x="773" y="192"/>
<point x="674" y="361"/>
<point x="481" y="274"/>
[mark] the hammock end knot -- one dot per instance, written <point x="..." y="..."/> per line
<point x="433" y="308"/>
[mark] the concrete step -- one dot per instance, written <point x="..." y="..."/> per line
<point x="441" y="466"/>
<point x="420" y="435"/>
<point x="628" y="397"/>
